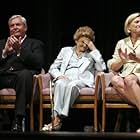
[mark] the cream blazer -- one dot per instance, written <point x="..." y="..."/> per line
<point x="130" y="66"/>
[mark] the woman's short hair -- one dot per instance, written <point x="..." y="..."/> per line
<point x="85" y="31"/>
<point x="128" y="20"/>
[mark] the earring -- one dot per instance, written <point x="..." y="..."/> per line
<point x="128" y="31"/>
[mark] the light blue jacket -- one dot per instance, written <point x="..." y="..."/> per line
<point x="90" y="63"/>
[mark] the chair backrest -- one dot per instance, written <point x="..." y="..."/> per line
<point x="110" y="97"/>
<point x="87" y="99"/>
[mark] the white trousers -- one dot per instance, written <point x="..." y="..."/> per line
<point x="65" y="94"/>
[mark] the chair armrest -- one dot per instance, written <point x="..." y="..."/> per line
<point x="106" y="78"/>
<point x="98" y="85"/>
<point x="105" y="82"/>
<point x="45" y="80"/>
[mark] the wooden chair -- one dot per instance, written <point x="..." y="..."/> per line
<point x="111" y="99"/>
<point x="7" y="101"/>
<point x="86" y="100"/>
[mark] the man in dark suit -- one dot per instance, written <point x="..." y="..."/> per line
<point x="20" y="58"/>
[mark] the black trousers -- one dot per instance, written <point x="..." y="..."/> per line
<point x="22" y="82"/>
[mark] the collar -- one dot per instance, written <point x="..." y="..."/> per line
<point x="23" y="38"/>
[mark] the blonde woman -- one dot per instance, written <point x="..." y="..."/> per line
<point x="126" y="62"/>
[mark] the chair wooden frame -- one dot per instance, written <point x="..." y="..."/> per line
<point x="8" y="98"/>
<point x="110" y="98"/>
<point x="83" y="101"/>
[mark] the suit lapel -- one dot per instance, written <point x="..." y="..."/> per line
<point x="69" y="54"/>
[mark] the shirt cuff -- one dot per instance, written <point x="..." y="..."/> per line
<point x="3" y="54"/>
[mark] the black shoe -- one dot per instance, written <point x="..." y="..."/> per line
<point x="18" y="124"/>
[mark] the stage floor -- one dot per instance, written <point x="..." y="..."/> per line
<point x="65" y="135"/>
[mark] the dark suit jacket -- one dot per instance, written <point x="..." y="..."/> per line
<point x="31" y="56"/>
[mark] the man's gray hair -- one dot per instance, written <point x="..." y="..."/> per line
<point x="18" y="16"/>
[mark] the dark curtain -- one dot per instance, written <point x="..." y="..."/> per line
<point x="55" y="21"/>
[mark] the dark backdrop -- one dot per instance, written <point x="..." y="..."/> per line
<point x="55" y="21"/>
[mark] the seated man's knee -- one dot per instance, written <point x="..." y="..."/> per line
<point x="25" y="74"/>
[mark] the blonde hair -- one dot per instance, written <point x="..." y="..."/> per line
<point x="128" y="20"/>
<point x="85" y="31"/>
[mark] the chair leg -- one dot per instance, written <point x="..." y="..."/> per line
<point x="103" y="117"/>
<point x="95" y="120"/>
<point x="40" y="117"/>
<point x="31" y="118"/>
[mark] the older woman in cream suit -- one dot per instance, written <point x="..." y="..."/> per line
<point x="126" y="61"/>
<point x="73" y="69"/>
